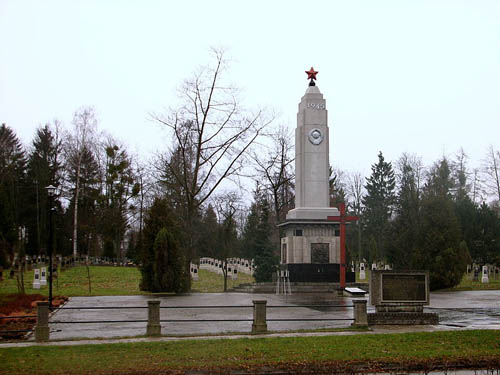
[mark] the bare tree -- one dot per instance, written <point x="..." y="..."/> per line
<point x="491" y="168"/>
<point x="84" y="128"/>
<point x="274" y="169"/>
<point x="212" y="137"/>
<point x="477" y="189"/>
<point x="461" y="174"/>
<point x="227" y="205"/>
<point x="355" y="191"/>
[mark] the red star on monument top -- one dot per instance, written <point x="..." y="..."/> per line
<point x="311" y="73"/>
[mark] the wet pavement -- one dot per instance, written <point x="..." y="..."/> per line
<point x="457" y="310"/>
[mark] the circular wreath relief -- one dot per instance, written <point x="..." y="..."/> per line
<point x="315" y="136"/>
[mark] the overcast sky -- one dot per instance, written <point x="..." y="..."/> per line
<point x="398" y="76"/>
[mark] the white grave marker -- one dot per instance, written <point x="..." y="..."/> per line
<point x="485" y="279"/>
<point x="43" y="278"/>
<point x="36" y="279"/>
<point x="362" y="273"/>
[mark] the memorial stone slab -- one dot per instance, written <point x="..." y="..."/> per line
<point x="485" y="279"/>
<point x="399" y="298"/>
<point x="362" y="273"/>
<point x="36" y="279"/>
<point x="43" y="276"/>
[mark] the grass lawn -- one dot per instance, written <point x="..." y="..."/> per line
<point x="109" y="281"/>
<point x="210" y="282"/>
<point x="314" y="354"/>
<point x="367" y="277"/>
<point x="468" y="284"/>
<point x="105" y="281"/>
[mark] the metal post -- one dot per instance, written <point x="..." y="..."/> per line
<point x="42" y="332"/>
<point x="153" y="328"/>
<point x="259" y="316"/>
<point x="50" y="190"/>
<point x="360" y="315"/>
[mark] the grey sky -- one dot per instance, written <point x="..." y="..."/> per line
<point x="398" y="76"/>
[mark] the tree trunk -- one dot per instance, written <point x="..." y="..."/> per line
<point x="75" y="211"/>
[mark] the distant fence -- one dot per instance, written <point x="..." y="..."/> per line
<point x="153" y="323"/>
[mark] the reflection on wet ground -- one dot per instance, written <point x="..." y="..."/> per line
<point x="456" y="310"/>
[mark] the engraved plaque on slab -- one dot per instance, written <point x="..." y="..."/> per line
<point x="389" y="287"/>
<point x="403" y="288"/>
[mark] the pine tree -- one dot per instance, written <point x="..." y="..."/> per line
<point x="378" y="203"/>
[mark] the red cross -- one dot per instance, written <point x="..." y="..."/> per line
<point x="343" y="219"/>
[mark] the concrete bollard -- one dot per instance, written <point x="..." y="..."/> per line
<point x="259" y="324"/>
<point x="360" y="315"/>
<point x="153" y="327"/>
<point x="42" y="332"/>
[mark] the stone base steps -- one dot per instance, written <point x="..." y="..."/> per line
<point x="270" y="288"/>
<point x="403" y="318"/>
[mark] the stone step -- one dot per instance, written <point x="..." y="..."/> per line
<point x="267" y="288"/>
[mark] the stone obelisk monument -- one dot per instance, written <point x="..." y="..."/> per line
<point x="310" y="243"/>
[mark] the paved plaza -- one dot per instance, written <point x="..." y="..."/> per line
<point x="457" y="310"/>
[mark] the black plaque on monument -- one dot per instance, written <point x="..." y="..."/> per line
<point x="317" y="273"/>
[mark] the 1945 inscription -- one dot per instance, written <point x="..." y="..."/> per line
<point x="315" y="106"/>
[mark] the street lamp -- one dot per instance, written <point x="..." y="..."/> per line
<point x="50" y="191"/>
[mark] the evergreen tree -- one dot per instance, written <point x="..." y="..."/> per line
<point x="336" y="187"/>
<point x="487" y="245"/>
<point x="44" y="168"/>
<point x="439" y="246"/>
<point x="378" y="203"/>
<point x="249" y="244"/>
<point x="162" y="261"/>
<point x="120" y="189"/>
<point x="12" y="183"/>
<point x="404" y="228"/>
<point x="169" y="274"/>
<point x="265" y="259"/>
<point x="228" y="238"/>
<point x="207" y="244"/>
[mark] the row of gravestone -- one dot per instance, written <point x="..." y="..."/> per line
<point x="233" y="266"/>
<point x="29" y="263"/>
<point x="484" y="273"/>
<point x="104" y="261"/>
<point x="361" y="267"/>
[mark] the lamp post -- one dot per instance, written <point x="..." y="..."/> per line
<point x="50" y="191"/>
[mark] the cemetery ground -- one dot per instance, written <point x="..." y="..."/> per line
<point x="111" y="281"/>
<point x="73" y="282"/>
<point x="443" y="347"/>
<point x="420" y="351"/>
